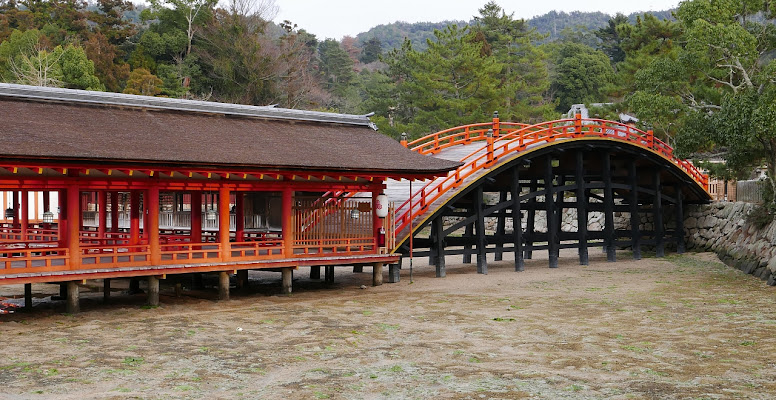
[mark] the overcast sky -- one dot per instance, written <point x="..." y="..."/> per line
<point x="338" y="18"/>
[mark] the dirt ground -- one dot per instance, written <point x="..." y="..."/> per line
<point x="682" y="327"/>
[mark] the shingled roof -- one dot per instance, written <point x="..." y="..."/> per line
<point x="74" y="125"/>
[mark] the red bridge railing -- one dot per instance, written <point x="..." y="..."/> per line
<point x="510" y="138"/>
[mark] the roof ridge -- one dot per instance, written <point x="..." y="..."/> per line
<point x="164" y="103"/>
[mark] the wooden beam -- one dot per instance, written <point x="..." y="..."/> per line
<point x="223" y="286"/>
<point x="635" y="219"/>
<point x="531" y="222"/>
<point x="501" y="227"/>
<point x="439" y="246"/>
<point x="606" y="174"/>
<point x="467" y="249"/>
<point x="517" y="227"/>
<point x="581" y="194"/>
<point x="482" y="261"/>
<point x="658" y="217"/>
<point x="680" y="247"/>
<point x="552" y="215"/>
<point x="287" y="278"/>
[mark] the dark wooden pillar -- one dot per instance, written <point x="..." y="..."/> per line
<point x="658" y="217"/>
<point x="635" y="219"/>
<point x="581" y="194"/>
<point x="106" y="289"/>
<point x="552" y="215"/>
<point x="439" y="245"/>
<point x="501" y="225"/>
<point x="468" y="234"/>
<point x="223" y="285"/>
<point x="517" y="227"/>
<point x="24" y="215"/>
<point x="315" y="272"/>
<point x="114" y="211"/>
<point x="530" y="223"/>
<point x="606" y="173"/>
<point x="28" y="296"/>
<point x="482" y="260"/>
<point x="196" y="217"/>
<point x="328" y="274"/>
<point x="680" y="248"/>
<point x="239" y="216"/>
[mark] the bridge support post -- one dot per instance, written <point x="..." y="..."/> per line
<point x="242" y="279"/>
<point x="377" y="274"/>
<point x="28" y="296"/>
<point x="153" y="291"/>
<point x="549" y="204"/>
<point x="635" y="219"/>
<point x="517" y="227"/>
<point x="106" y="290"/>
<point x="329" y="274"/>
<point x="482" y="260"/>
<point x="223" y="286"/>
<point x="467" y="249"/>
<point x="433" y="248"/>
<point x="501" y="227"/>
<point x="679" y="220"/>
<point x="73" y="305"/>
<point x="611" y="250"/>
<point x="438" y="246"/>
<point x="394" y="275"/>
<point x="658" y="218"/>
<point x="581" y="194"/>
<point x="530" y="223"/>
<point x="287" y="277"/>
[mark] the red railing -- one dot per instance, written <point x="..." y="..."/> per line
<point x="349" y="246"/>
<point x="14" y="260"/>
<point x="517" y="140"/>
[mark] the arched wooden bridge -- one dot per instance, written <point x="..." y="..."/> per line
<point x="523" y="175"/>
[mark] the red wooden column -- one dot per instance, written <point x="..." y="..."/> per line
<point x="24" y="215"/>
<point x="114" y="211"/>
<point x="196" y="217"/>
<point x="73" y="233"/>
<point x="15" y="200"/>
<point x="134" y="216"/>
<point x="223" y="223"/>
<point x="239" y="217"/>
<point x="377" y="222"/>
<point x="102" y="213"/>
<point x="152" y="224"/>
<point x="287" y="210"/>
<point x="62" y="223"/>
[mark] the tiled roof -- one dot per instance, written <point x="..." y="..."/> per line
<point x="76" y="125"/>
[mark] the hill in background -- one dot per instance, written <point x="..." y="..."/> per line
<point x="551" y="24"/>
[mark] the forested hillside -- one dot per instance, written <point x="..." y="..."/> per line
<point x="704" y="81"/>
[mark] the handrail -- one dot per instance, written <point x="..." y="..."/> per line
<point x="531" y="135"/>
<point x="435" y="142"/>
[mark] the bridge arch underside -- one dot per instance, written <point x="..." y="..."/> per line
<point x="576" y="194"/>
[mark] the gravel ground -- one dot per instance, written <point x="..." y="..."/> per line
<point x="681" y="327"/>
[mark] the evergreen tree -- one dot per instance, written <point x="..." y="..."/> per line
<point x="373" y="48"/>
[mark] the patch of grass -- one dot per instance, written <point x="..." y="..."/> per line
<point x="387" y="327"/>
<point x="366" y="313"/>
<point x="748" y="343"/>
<point x="636" y="349"/>
<point x="397" y="368"/>
<point x="133" y="361"/>
<point x="321" y="395"/>
<point x="499" y="319"/>
<point x="574" y="388"/>
<point x="122" y="390"/>
<point x="184" y="388"/>
<point x="474" y="359"/>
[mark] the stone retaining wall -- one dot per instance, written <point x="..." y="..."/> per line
<point x="722" y="228"/>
